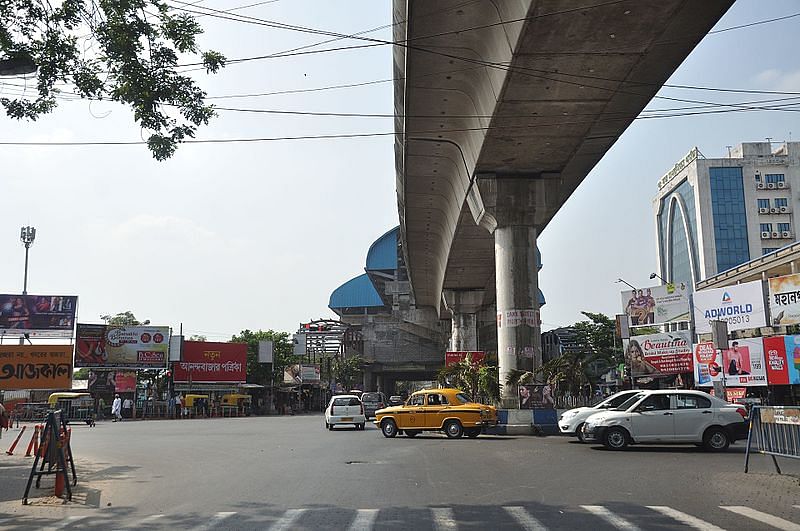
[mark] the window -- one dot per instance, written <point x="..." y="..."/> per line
<point x="766" y="227"/>
<point x="780" y="202"/>
<point x="758" y="177"/>
<point x="692" y="402"/>
<point x="767" y="250"/>
<point x="659" y="402"/>
<point x="775" y="178"/>
<point x="763" y="203"/>
<point x="437" y="400"/>
<point x="783" y="227"/>
<point x="417" y="400"/>
<point x="730" y="217"/>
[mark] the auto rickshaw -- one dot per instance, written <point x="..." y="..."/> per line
<point x="241" y="402"/>
<point x="194" y="403"/>
<point x="74" y="405"/>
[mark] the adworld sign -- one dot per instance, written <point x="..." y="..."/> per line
<point x="741" y="306"/>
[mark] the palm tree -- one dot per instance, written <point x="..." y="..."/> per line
<point x="478" y="381"/>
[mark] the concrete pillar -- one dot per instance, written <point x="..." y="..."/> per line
<point x="463" y="306"/>
<point x="511" y="207"/>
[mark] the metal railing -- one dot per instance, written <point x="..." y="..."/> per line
<point x="774" y="431"/>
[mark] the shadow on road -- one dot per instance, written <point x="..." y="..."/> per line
<point x="670" y="449"/>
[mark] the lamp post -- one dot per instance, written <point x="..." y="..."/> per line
<point x="656" y="275"/>
<point x="626" y="283"/>
<point x="26" y="236"/>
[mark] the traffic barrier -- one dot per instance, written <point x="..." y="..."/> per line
<point x="54" y="457"/>
<point x="33" y="441"/>
<point x="10" y="451"/>
<point x="774" y="431"/>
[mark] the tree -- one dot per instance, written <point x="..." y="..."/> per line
<point x="347" y="371"/>
<point x="478" y="381"/>
<point x="126" y="318"/>
<point x="283" y="355"/>
<point x="196" y="337"/>
<point x="123" y="50"/>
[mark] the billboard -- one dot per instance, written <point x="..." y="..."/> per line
<point x="536" y="396"/>
<point x="742" y="365"/>
<point x="784" y="300"/>
<point x="35" y="367"/>
<point x="452" y="357"/>
<point x="207" y="362"/>
<point x="657" y="304"/>
<point x="741" y="306"/>
<point x="112" y="381"/>
<point x="659" y="354"/>
<point x="37" y="315"/>
<point x="299" y="374"/>
<point x="113" y="346"/>
<point x="782" y="355"/>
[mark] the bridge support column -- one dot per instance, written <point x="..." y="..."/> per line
<point x="509" y="211"/>
<point x="463" y="306"/>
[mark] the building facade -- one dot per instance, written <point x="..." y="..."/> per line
<point x="715" y="214"/>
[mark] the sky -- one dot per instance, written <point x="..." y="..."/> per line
<point x="227" y="237"/>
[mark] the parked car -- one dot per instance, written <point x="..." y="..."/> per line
<point x="372" y="403"/>
<point x="396" y="400"/>
<point x="448" y="410"/>
<point x="669" y="417"/>
<point x="345" y="409"/>
<point x="571" y="421"/>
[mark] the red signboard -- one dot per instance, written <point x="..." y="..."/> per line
<point x="775" y="357"/>
<point x="456" y="356"/>
<point x="211" y="362"/>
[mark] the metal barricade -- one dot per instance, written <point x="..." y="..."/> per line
<point x="774" y="431"/>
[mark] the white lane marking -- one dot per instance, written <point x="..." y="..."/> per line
<point x="524" y="519"/>
<point x="364" y="520"/>
<point x="146" y="521"/>
<point x="69" y="520"/>
<point x="287" y="520"/>
<point x="686" y="519"/>
<point x="765" y="518"/>
<point x="215" y="520"/>
<point x="444" y="519"/>
<point x="617" y="521"/>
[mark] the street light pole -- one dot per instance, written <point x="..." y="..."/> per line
<point x="26" y="236"/>
<point x="626" y="283"/>
<point x="656" y="275"/>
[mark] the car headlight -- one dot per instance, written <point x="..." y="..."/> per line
<point x="568" y="414"/>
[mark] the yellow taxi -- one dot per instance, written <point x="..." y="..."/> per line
<point x="448" y="410"/>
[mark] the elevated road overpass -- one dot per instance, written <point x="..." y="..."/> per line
<point x="503" y="108"/>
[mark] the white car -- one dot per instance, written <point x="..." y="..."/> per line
<point x="669" y="416"/>
<point x="345" y="409"/>
<point x="571" y="422"/>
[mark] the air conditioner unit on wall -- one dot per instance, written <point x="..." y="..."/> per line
<point x="786" y="234"/>
<point x="776" y="234"/>
<point x="784" y="210"/>
<point x="773" y="210"/>
<point x="765" y="235"/>
<point x="771" y="185"/>
<point x="760" y="186"/>
<point x="763" y="210"/>
<point x="781" y="184"/>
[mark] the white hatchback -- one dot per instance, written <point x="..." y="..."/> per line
<point x="345" y="409"/>
<point x="571" y="421"/>
<point x="668" y="417"/>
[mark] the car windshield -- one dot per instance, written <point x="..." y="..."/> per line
<point x="371" y="397"/>
<point x="462" y="398"/>
<point x="629" y="402"/>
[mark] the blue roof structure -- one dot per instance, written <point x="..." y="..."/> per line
<point x="355" y="293"/>
<point x="541" y="298"/>
<point x="382" y="254"/>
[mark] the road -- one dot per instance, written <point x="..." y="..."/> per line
<point x="290" y="473"/>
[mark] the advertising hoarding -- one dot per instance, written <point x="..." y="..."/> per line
<point x="536" y="396"/>
<point x="782" y="355"/>
<point x="742" y="365"/>
<point x="35" y="367"/>
<point x="784" y="300"/>
<point x="37" y="315"/>
<point x="659" y="354"/>
<point x="208" y="362"/>
<point x="299" y="374"/>
<point x="740" y="305"/>
<point x="309" y="373"/>
<point x="112" y="381"/>
<point x="657" y="304"/>
<point x="454" y="356"/>
<point x="112" y="346"/>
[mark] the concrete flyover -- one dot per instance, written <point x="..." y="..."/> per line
<point x="503" y="108"/>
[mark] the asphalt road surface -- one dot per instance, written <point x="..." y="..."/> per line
<point x="283" y="473"/>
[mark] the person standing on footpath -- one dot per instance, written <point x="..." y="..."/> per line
<point x="127" y="406"/>
<point x="116" y="408"/>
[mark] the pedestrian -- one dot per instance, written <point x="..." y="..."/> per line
<point x="116" y="408"/>
<point x="127" y="406"/>
<point x="171" y="407"/>
<point x="4" y="421"/>
<point x="101" y="408"/>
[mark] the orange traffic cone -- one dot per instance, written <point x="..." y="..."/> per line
<point x="10" y="451"/>
<point x="33" y="441"/>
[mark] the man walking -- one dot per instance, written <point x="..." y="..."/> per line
<point x="116" y="408"/>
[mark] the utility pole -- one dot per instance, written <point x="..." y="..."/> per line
<point x="26" y="236"/>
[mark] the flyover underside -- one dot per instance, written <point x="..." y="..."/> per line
<point x="529" y="89"/>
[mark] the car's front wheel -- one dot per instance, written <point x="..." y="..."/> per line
<point x="579" y="432"/>
<point x="389" y="428"/>
<point x="716" y="440"/>
<point x="615" y="439"/>
<point x="453" y="429"/>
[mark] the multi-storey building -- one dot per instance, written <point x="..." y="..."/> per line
<point x="715" y="214"/>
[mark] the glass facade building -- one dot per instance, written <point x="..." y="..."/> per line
<point x="677" y="223"/>
<point x="730" y="217"/>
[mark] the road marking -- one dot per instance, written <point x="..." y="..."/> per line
<point x="364" y="520"/>
<point x="617" y="521"/>
<point x="69" y="520"/>
<point x="215" y="520"/>
<point x="766" y="518"/>
<point x="686" y="519"/>
<point x="444" y="519"/>
<point x="524" y="519"/>
<point x="287" y="520"/>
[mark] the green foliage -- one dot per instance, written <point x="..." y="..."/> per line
<point x="480" y="382"/>
<point x="348" y="371"/>
<point x="283" y="351"/>
<point x="81" y="374"/>
<point x="123" y="319"/>
<point x="196" y="337"/>
<point x="123" y="50"/>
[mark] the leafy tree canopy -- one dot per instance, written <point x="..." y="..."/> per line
<point x="123" y="50"/>
<point x="283" y="352"/>
<point x="480" y="382"/>
<point x="126" y="318"/>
